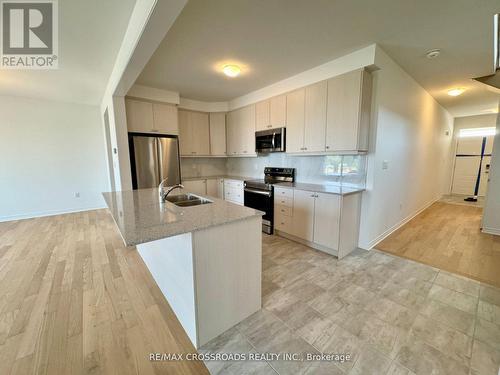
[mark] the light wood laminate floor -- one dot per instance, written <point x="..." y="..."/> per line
<point x="75" y="300"/>
<point x="448" y="236"/>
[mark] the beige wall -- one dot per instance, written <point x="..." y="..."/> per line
<point x="50" y="151"/>
<point x="409" y="131"/>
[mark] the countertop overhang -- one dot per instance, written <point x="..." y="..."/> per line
<point x="141" y="218"/>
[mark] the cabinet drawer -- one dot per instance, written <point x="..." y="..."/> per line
<point x="283" y="201"/>
<point x="233" y="183"/>
<point x="233" y="194"/>
<point x="283" y="210"/>
<point x="283" y="223"/>
<point x="281" y="192"/>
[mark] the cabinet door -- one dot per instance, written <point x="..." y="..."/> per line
<point x="262" y="119"/>
<point x="220" y="188"/>
<point x="303" y="214"/>
<point x="247" y="136"/>
<point x="213" y="187"/>
<point x="315" y="117"/>
<point x="278" y="111"/>
<point x="196" y="186"/>
<point x="326" y="220"/>
<point x="200" y="134"/>
<point x="344" y="99"/>
<point x="165" y="118"/>
<point x="218" y="134"/>
<point x="232" y="133"/>
<point x="295" y="121"/>
<point x="185" y="134"/>
<point x="139" y="116"/>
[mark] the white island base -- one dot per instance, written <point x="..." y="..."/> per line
<point x="211" y="277"/>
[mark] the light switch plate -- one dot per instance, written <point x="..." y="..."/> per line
<point x="385" y="164"/>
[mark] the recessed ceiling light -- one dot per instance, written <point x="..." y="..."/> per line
<point x="231" y="70"/>
<point x="433" y="53"/>
<point x="455" y="92"/>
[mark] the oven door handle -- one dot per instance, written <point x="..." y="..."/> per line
<point x="266" y="193"/>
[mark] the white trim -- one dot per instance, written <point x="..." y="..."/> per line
<point x="361" y="58"/>
<point x="494" y="231"/>
<point x="154" y="94"/>
<point x="197" y="105"/>
<point x="395" y="227"/>
<point x="48" y="213"/>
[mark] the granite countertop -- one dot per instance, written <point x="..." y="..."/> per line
<point x="141" y="218"/>
<point x="321" y="188"/>
<point x="239" y="178"/>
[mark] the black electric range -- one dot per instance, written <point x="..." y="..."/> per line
<point x="259" y="194"/>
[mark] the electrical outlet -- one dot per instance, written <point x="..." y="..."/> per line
<point x="77" y="194"/>
<point x="385" y="164"/>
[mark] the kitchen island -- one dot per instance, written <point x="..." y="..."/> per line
<point x="206" y="259"/>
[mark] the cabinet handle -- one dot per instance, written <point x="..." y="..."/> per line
<point x="193" y="152"/>
<point x="327" y="147"/>
<point x="305" y="148"/>
<point x="244" y="152"/>
<point x="154" y="130"/>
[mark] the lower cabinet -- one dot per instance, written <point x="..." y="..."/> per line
<point x="215" y="187"/>
<point x="328" y="222"/>
<point x="227" y="189"/>
<point x="303" y="215"/>
<point x="196" y="186"/>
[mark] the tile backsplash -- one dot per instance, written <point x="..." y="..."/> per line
<point x="336" y="169"/>
<point x="200" y="167"/>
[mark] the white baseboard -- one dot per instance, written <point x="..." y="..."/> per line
<point x="32" y="215"/>
<point x="395" y="227"/>
<point x="494" y="231"/>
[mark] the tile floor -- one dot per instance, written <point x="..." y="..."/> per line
<point x="392" y="315"/>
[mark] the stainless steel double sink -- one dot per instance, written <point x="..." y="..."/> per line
<point x="187" y="200"/>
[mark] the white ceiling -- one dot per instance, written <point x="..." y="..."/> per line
<point x="90" y="35"/>
<point x="275" y="39"/>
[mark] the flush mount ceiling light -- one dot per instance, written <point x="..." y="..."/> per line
<point x="456" y="92"/>
<point x="231" y="70"/>
<point x="433" y="53"/>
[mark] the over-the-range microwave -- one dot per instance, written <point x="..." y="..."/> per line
<point x="272" y="140"/>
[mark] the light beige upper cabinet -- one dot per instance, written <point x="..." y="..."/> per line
<point x="277" y="111"/>
<point x="295" y="112"/>
<point x="218" y="134"/>
<point x="262" y="115"/>
<point x="303" y="215"/>
<point x="348" y="113"/>
<point x="147" y="117"/>
<point x="326" y="220"/>
<point x="315" y="117"/>
<point x="271" y="113"/>
<point x="165" y="118"/>
<point x="139" y="116"/>
<point x="306" y="119"/>
<point x="194" y="133"/>
<point x="241" y="132"/>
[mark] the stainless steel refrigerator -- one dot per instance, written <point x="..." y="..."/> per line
<point x="154" y="158"/>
